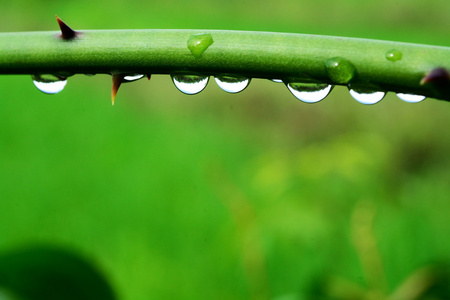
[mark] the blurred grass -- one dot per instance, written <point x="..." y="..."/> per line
<point x="216" y="195"/>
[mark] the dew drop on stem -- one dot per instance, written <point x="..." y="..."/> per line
<point x="232" y="84"/>
<point x="394" y="55"/>
<point x="49" y="84"/>
<point x="410" y="97"/>
<point x="190" y="84"/>
<point x="132" y="77"/>
<point x="340" y="70"/>
<point x="198" y="43"/>
<point x="366" y="96"/>
<point x="309" y="92"/>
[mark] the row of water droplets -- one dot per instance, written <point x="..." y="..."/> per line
<point x="53" y="84"/>
<point x="315" y="92"/>
<point x="340" y="71"/>
<point x="194" y="84"/>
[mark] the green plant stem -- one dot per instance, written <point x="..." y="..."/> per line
<point x="291" y="57"/>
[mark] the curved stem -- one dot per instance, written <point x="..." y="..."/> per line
<point x="290" y="57"/>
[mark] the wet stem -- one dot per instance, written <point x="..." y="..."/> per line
<point x="365" y="66"/>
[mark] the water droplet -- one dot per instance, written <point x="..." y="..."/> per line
<point x="198" y="43"/>
<point x="232" y="84"/>
<point x="367" y="97"/>
<point x="190" y="84"/>
<point x="340" y="70"/>
<point x="394" y="55"/>
<point x="49" y="84"/>
<point x="277" y="80"/>
<point x="309" y="92"/>
<point x="133" y="77"/>
<point x="411" y="98"/>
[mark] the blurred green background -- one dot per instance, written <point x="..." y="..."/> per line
<point x="219" y="196"/>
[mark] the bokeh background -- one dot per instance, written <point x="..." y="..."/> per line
<point x="218" y="196"/>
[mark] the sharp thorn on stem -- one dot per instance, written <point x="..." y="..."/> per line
<point x="438" y="80"/>
<point x="67" y="33"/>
<point x="437" y="76"/>
<point x="117" y="80"/>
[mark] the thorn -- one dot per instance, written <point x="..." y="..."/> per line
<point x="149" y="76"/>
<point x="117" y="80"/>
<point x="438" y="76"/>
<point x="67" y="33"/>
<point x="438" y="81"/>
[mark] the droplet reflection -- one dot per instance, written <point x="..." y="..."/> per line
<point x="310" y="92"/>
<point x="49" y="84"/>
<point x="366" y="97"/>
<point x="190" y="84"/>
<point x="232" y="84"/>
<point x="133" y="77"/>
<point x="411" y="98"/>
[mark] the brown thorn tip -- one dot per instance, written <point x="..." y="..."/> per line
<point x="149" y="76"/>
<point x="117" y="80"/>
<point x="438" y="76"/>
<point x="67" y="33"/>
